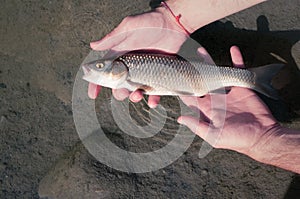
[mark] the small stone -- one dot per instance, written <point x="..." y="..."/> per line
<point x="2" y="121"/>
<point x="69" y="75"/>
<point x="2" y="85"/>
<point x="119" y="176"/>
<point x="204" y="172"/>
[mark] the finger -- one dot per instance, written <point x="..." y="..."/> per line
<point x="93" y="90"/>
<point x="204" y="54"/>
<point x="112" y="39"/>
<point x="197" y="103"/>
<point x="236" y="57"/>
<point x="198" y="127"/>
<point x="109" y="41"/>
<point x="240" y="93"/>
<point x="112" y="54"/>
<point x="191" y="102"/>
<point x="120" y="94"/>
<point x="153" y="101"/>
<point x="136" y="96"/>
<point x="200" y="106"/>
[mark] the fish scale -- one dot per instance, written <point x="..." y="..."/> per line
<point x="193" y="77"/>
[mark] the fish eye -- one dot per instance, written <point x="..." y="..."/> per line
<point x="99" y="65"/>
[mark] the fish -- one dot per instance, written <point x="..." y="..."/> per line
<point x="171" y="74"/>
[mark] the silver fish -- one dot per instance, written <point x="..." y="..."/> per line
<point x="164" y="74"/>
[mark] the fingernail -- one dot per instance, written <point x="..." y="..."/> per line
<point x="136" y="97"/>
<point x="122" y="96"/>
<point x="152" y="105"/>
<point x="153" y="102"/>
<point x="180" y="120"/>
<point x="94" y="45"/>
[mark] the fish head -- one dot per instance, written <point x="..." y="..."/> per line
<point x="107" y="73"/>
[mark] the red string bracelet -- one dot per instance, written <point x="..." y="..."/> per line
<point x="177" y="18"/>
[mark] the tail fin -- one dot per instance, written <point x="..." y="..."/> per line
<point x="263" y="77"/>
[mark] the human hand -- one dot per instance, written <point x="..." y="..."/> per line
<point x="248" y="122"/>
<point x="155" y="30"/>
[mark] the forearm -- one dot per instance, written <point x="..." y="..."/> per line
<point x="198" y="13"/>
<point x="281" y="150"/>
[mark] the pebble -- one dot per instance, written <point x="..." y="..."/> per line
<point x="2" y="85"/>
<point x="204" y="172"/>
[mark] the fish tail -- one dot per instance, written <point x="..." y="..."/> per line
<point x="263" y="78"/>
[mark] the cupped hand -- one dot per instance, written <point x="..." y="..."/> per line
<point x="248" y="121"/>
<point x="155" y="30"/>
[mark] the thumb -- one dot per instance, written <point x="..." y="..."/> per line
<point x="198" y="127"/>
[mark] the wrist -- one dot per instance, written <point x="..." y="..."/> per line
<point x="198" y="13"/>
<point x="180" y="8"/>
<point x="172" y="20"/>
<point x="279" y="147"/>
<point x="265" y="148"/>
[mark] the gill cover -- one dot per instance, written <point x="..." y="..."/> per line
<point x="118" y="69"/>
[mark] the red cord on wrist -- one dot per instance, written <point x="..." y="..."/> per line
<point x="177" y="18"/>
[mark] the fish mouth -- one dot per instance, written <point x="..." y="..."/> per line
<point x="92" y="75"/>
<point x="89" y="75"/>
<point x="86" y="69"/>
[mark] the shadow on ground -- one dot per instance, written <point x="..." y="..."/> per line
<point x="259" y="48"/>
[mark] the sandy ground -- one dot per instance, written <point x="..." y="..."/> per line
<point x="42" y="44"/>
